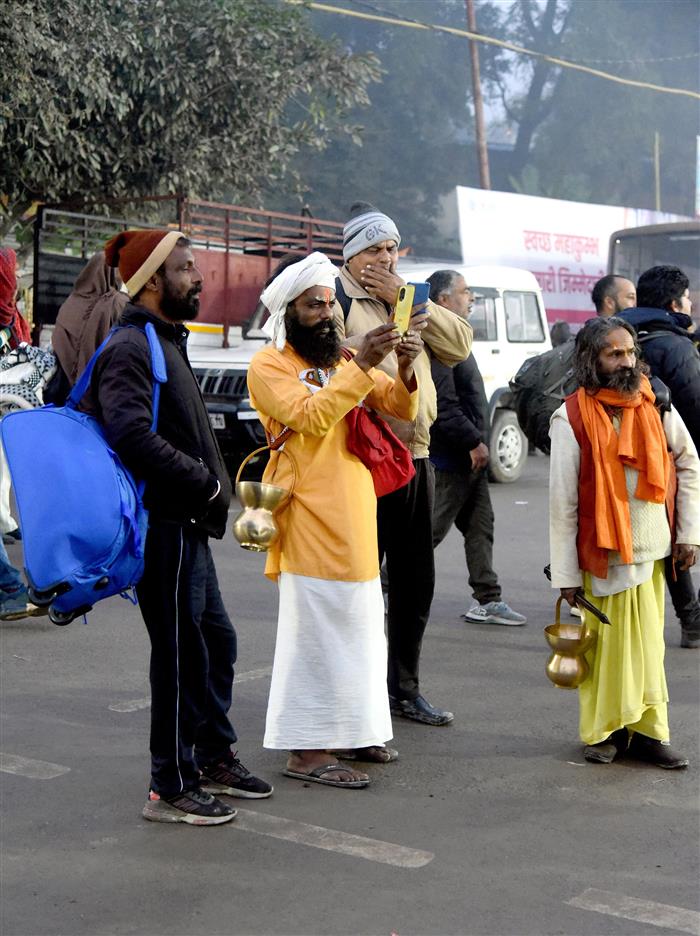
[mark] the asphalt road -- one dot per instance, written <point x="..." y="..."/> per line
<point x="494" y="825"/>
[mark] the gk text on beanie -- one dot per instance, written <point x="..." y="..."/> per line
<point x="366" y="229"/>
<point x="139" y="254"/>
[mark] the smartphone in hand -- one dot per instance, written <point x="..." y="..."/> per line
<point x="421" y="293"/>
<point x="403" y="307"/>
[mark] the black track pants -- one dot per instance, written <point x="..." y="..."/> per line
<point x="193" y="651"/>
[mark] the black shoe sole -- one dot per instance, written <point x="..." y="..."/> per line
<point x="220" y="789"/>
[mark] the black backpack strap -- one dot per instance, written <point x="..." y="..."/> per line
<point x="342" y="298"/>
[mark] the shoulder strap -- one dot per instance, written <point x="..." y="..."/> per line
<point x="342" y="298"/>
<point x="158" y="369"/>
<point x="649" y="336"/>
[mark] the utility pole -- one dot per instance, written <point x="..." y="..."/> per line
<point x="482" y="151"/>
<point x="657" y="170"/>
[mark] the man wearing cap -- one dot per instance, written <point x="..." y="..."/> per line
<point x="328" y="689"/>
<point x="367" y="290"/>
<point x="193" y="643"/>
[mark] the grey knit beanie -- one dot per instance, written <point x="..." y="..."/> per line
<point x="367" y="226"/>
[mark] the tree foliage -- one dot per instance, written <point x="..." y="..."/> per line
<point x="145" y="97"/>
<point x="551" y="131"/>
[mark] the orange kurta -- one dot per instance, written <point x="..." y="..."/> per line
<point x="329" y="530"/>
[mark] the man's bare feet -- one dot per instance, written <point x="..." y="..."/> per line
<point x="305" y="761"/>
<point x="374" y="754"/>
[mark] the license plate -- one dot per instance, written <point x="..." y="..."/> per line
<point x="247" y="414"/>
<point x="217" y="420"/>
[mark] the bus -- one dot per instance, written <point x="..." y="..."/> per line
<point x="634" y="250"/>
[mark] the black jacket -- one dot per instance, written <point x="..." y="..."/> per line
<point x="462" y="414"/>
<point x="672" y="354"/>
<point x="180" y="462"/>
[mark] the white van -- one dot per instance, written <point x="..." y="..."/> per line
<point x="510" y="325"/>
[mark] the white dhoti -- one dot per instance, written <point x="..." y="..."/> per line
<point x="328" y="685"/>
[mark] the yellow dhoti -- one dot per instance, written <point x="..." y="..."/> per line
<point x="627" y="683"/>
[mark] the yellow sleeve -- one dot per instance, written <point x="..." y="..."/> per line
<point x="277" y="393"/>
<point x="448" y="335"/>
<point x="392" y="397"/>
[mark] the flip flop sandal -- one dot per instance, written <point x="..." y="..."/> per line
<point x="30" y="611"/>
<point x="373" y="754"/>
<point x="317" y="776"/>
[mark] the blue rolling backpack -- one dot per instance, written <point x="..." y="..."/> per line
<point x="81" y="512"/>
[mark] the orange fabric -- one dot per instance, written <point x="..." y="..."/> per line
<point x="641" y="444"/>
<point x="329" y="529"/>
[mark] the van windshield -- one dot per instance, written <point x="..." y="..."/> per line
<point x="523" y="322"/>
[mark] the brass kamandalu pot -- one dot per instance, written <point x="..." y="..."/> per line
<point x="567" y="667"/>
<point x="255" y="527"/>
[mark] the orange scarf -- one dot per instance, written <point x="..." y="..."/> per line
<point x="641" y="444"/>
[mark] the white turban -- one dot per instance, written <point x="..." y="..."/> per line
<point x="314" y="270"/>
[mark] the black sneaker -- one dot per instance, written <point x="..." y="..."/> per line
<point x="605" y="752"/>
<point x="193" y="806"/>
<point x="230" y="777"/>
<point x="420" y="710"/>
<point x="658" y="753"/>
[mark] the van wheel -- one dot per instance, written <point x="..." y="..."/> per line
<point x="508" y="448"/>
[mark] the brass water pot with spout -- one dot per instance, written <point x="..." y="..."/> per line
<point x="567" y="667"/>
<point x="255" y="527"/>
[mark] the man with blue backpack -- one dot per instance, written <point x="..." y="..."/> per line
<point x="187" y="494"/>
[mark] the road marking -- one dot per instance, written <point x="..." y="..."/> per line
<point x="135" y="705"/>
<point x="34" y="769"/>
<point x="331" y="840"/>
<point x="641" y="911"/>
<point x="252" y="674"/>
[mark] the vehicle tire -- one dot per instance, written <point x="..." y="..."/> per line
<point x="508" y="449"/>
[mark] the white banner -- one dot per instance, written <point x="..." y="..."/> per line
<point x="564" y="243"/>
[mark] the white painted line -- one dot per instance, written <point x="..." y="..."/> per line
<point x="330" y="840"/>
<point x="252" y="674"/>
<point x="641" y="911"/>
<point x="34" y="769"/>
<point x="135" y="705"/>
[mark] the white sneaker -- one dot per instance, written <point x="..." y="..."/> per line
<point x="574" y="611"/>
<point x="494" y="612"/>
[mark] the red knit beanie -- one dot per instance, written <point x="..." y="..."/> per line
<point x="139" y="254"/>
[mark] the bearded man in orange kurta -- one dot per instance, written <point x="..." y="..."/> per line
<point x="328" y="690"/>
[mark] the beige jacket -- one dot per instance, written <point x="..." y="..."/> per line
<point x="448" y="337"/>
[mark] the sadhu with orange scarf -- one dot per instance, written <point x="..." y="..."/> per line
<point x="639" y="444"/>
<point x="9" y="313"/>
<point x="614" y="468"/>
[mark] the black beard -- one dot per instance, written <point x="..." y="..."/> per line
<point x="318" y="344"/>
<point x="626" y="380"/>
<point x="180" y="308"/>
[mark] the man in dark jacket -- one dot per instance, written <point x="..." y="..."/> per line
<point x="193" y="643"/>
<point x="662" y="322"/>
<point x="460" y="456"/>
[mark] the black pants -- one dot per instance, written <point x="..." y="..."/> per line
<point x="463" y="499"/>
<point x="193" y="650"/>
<point x="405" y="528"/>
<point x="686" y="603"/>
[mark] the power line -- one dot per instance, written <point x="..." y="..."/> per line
<point x="490" y="40"/>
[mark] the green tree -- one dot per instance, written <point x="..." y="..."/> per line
<point x="146" y="97"/>
<point x="415" y="143"/>
<point x="552" y="131"/>
<point x="598" y="142"/>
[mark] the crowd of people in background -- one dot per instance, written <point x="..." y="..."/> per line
<point x="624" y="501"/>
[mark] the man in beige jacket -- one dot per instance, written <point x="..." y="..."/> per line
<point x="367" y="289"/>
